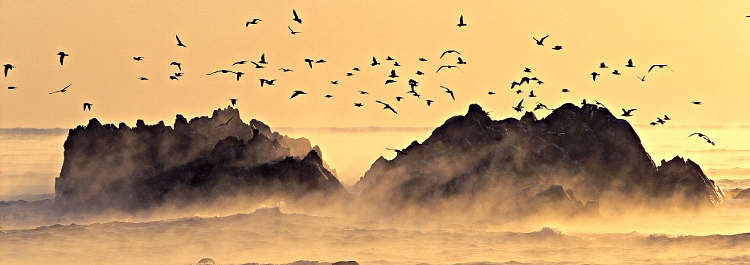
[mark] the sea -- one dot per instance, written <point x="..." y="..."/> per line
<point x="32" y="232"/>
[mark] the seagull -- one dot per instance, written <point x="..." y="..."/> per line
<point x="491" y="93"/>
<point x="449" y="92"/>
<point x="226" y="123"/>
<point x="8" y="67"/>
<point x="349" y="74"/>
<point x="660" y="66"/>
<point x="62" y="56"/>
<point x="449" y="67"/>
<point x="666" y="118"/>
<point x="263" y="59"/>
<point x="557" y="48"/>
<point x="309" y="62"/>
<point x="178" y="74"/>
<point x="138" y="58"/>
<point x="594" y="74"/>
<point x="266" y="81"/>
<point x="297" y="93"/>
<point x="286" y="70"/>
<point x="630" y="63"/>
<point x="449" y="51"/>
<point x="179" y="43"/>
<point x="238" y="75"/>
<point x="399" y="98"/>
<point x="179" y="65"/>
<point x="257" y="65"/>
<point x="602" y="65"/>
<point x="396" y="64"/>
<point x="233" y="100"/>
<point x="524" y="79"/>
<point x="320" y="61"/>
<point x="460" y="61"/>
<point x="615" y="72"/>
<point x="514" y="84"/>
<point x="355" y="69"/>
<point x="386" y="106"/>
<point x="660" y="121"/>
<point x="296" y="18"/>
<point x="643" y="79"/>
<point x="419" y="72"/>
<point x="393" y="74"/>
<point x="374" y="62"/>
<point x="519" y="91"/>
<point x="255" y="21"/>
<point x="293" y="32"/>
<point x="363" y="92"/>
<point x="702" y="136"/>
<point x="461" y="22"/>
<point x="62" y="90"/>
<point x="328" y="96"/>
<point x="335" y="82"/>
<point x="390" y="81"/>
<point x="539" y="41"/>
<point x="429" y="101"/>
<point x="240" y="62"/>
<point x="223" y="71"/>
<point x="531" y="94"/>
<point x="397" y="151"/>
<point x="527" y="70"/>
<point x="540" y="106"/>
<point x="11" y="87"/>
<point x="565" y="90"/>
<point x="142" y="78"/>
<point x="171" y="77"/>
<point x="696" y="102"/>
<point x="421" y="59"/>
<point x="358" y="105"/>
<point x="519" y="108"/>
<point x="626" y="113"/>
<point x="87" y="105"/>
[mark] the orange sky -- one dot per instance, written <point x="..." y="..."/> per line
<point x="705" y="43"/>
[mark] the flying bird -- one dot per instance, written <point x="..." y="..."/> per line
<point x="626" y="113"/>
<point x="233" y="100"/>
<point x="565" y="90"/>
<point x="491" y="93"/>
<point x="660" y="66"/>
<point x="374" y="62"/>
<point x="226" y="123"/>
<point x="666" y="118"/>
<point x="223" y="71"/>
<point x="449" y="67"/>
<point x="643" y="79"/>
<point x="335" y="82"/>
<point x="615" y="72"/>
<point x="449" y="51"/>
<point x="257" y="65"/>
<point x="171" y="77"/>
<point x="263" y="59"/>
<point x="355" y="69"/>
<point x="309" y="62"/>
<point x="62" y="90"/>
<point x="240" y="62"/>
<point x="138" y="58"/>
<point x="349" y="74"/>
<point x="358" y="105"/>
<point x="238" y="75"/>
<point x="142" y="78"/>
<point x="393" y="74"/>
<point x="602" y="65"/>
<point x="421" y="59"/>
<point x="518" y="108"/>
<point x="531" y="94"/>
<point x="179" y="74"/>
<point x="328" y="96"/>
<point x="396" y="64"/>
<point x="293" y="32"/>
<point x="179" y="43"/>
<point x="179" y="65"/>
<point x="87" y="105"/>
<point x="297" y="93"/>
<point x="320" y="61"/>
<point x="266" y="81"/>
<point x="419" y="72"/>
<point x="386" y="106"/>
<point x="557" y="48"/>
<point x="702" y="136"/>
<point x="429" y="101"/>
<point x="390" y="81"/>
<point x="696" y="102"/>
<point x="449" y="92"/>
<point x="253" y="22"/>
<point x="11" y="87"/>
<point x="286" y="70"/>
<point x="594" y="74"/>
<point x="296" y="18"/>
<point x="540" y="41"/>
<point x="461" y="21"/>
<point x="62" y="56"/>
<point x="363" y="92"/>
<point x="460" y="61"/>
<point x="540" y="106"/>
<point x="389" y="58"/>
<point x="527" y="70"/>
<point x="8" y="67"/>
<point x="399" y="98"/>
<point x="630" y="63"/>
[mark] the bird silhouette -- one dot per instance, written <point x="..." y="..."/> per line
<point x="286" y="70"/>
<point x="238" y="75"/>
<point x="11" y="87"/>
<point x="349" y="74"/>
<point x="429" y="101"/>
<point x="491" y="93"/>
<point x="602" y="65"/>
<point x="449" y="67"/>
<point x="449" y="51"/>
<point x="62" y="56"/>
<point x="309" y="62"/>
<point x="138" y="58"/>
<point x="386" y="106"/>
<point x="171" y="77"/>
<point x="419" y="72"/>
<point x="421" y="59"/>
<point x="514" y="84"/>
<point x="449" y="92"/>
<point x="626" y="113"/>
<point x="527" y="70"/>
<point x="297" y="93"/>
<point x="296" y="18"/>
<point x="179" y="74"/>
<point x="226" y="123"/>
<point x="358" y="105"/>
<point x="557" y="48"/>
<point x="396" y="64"/>
<point x="393" y="74"/>
<point x="461" y="21"/>
<point x="615" y="72"/>
<point x="666" y="118"/>
<point x="233" y="100"/>
<point x="696" y="102"/>
<point x="660" y="121"/>
<point x="363" y="92"/>
<point x="660" y="66"/>
<point x="7" y="67"/>
<point x="263" y="59"/>
<point x="253" y="22"/>
<point x="266" y="81"/>
<point x="179" y="43"/>
<point x="565" y="90"/>
<point x="293" y="32"/>
<point x="525" y="79"/>
<point x="328" y="96"/>
<point x="643" y="79"/>
<point x="355" y="69"/>
<point x="531" y="94"/>
<point x="630" y="63"/>
<point x="397" y="151"/>
<point x="460" y="61"/>
<point x="62" y="90"/>
<point x="240" y="62"/>
<point x="540" y="41"/>
<point x="390" y="81"/>
<point x="594" y="74"/>
<point x="179" y="65"/>
<point x="389" y="58"/>
<point x="257" y="65"/>
<point x="320" y="61"/>
<point x="374" y="62"/>
<point x="518" y="108"/>
<point x="142" y="78"/>
<point x="540" y="106"/>
<point x="399" y="98"/>
<point x="87" y="106"/>
<point x="335" y="82"/>
<point x="702" y="136"/>
<point x="223" y="71"/>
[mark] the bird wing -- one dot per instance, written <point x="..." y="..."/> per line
<point x="543" y="38"/>
<point x="652" y="67"/>
<point x="295" y="14"/>
<point x="441" y="67"/>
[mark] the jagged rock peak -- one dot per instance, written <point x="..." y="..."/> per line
<point x="313" y="157"/>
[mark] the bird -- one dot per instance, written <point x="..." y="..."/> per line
<point x="565" y="90"/>
<point x="594" y="74"/>
<point x="179" y="43"/>
<point x="238" y="75"/>
<point x="626" y="113"/>
<point x="253" y="22"/>
<point x="138" y="58"/>
<point x="602" y="65"/>
<point x="179" y="74"/>
<point x="519" y="91"/>
<point x="296" y="18"/>
<point x="389" y="58"/>
<point x="386" y="106"/>
<point x="87" y="105"/>
<point x="8" y="67"/>
<point x="491" y="93"/>
<point x="540" y="106"/>
<point x="660" y="66"/>
<point x="615" y="72"/>
<point x="179" y="65"/>
<point x="226" y="123"/>
<point x="363" y="92"/>
<point x="393" y="74"/>
<point x="390" y="81"/>
<point x="660" y="121"/>
<point x="460" y="61"/>
<point x="449" y="67"/>
<point x="62" y="90"/>
<point x="524" y="79"/>
<point x="266" y="81"/>
<point x="309" y="62"/>
<point x="355" y="69"/>
<point x="461" y="22"/>
<point x="398" y="151"/>
<point x="449" y="51"/>
<point x="11" y="87"/>
<point x="630" y="63"/>
<point x="396" y="64"/>
<point x="653" y="123"/>
<point x="419" y="72"/>
<point x="643" y="79"/>
<point x="293" y="32"/>
<point x="540" y="41"/>
<point x="531" y="94"/>
<point x="429" y="101"/>
<point x="374" y="62"/>
<point x="257" y="65"/>
<point x="171" y="77"/>
<point x="422" y="59"/>
<point x="240" y="62"/>
<point x="62" y="56"/>
<point x="518" y="108"/>
<point x="449" y="92"/>
<point x="286" y="70"/>
<point x="349" y="74"/>
<point x="696" y="102"/>
<point x="557" y="48"/>
<point x="527" y="70"/>
<point x="666" y="118"/>
<point x="223" y="71"/>
<point x="263" y="59"/>
<point x="702" y="136"/>
<point x="233" y="100"/>
<point x="539" y="82"/>
<point x="514" y="84"/>
<point x="297" y="93"/>
<point x="399" y="98"/>
<point x="358" y="105"/>
<point x="320" y="61"/>
<point x="328" y="96"/>
<point x="335" y="82"/>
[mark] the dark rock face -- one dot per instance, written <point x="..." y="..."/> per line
<point x="108" y="167"/>
<point x="515" y="166"/>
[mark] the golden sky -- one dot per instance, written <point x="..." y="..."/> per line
<point x="705" y="43"/>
